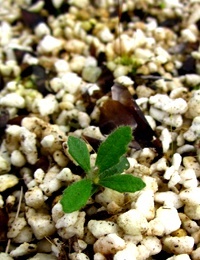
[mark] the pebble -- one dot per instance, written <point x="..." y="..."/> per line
<point x="188" y="35"/>
<point x="23" y="249"/>
<point x="49" y="44"/>
<point x="34" y="198"/>
<point x="191" y="79"/>
<point x="171" y="106"/>
<point x="79" y="4"/>
<point x="83" y="119"/>
<point x="75" y="46"/>
<point x="40" y="223"/>
<point x="161" y="55"/>
<point x="124" y="80"/>
<point x="4" y="166"/>
<point x="6" y="27"/>
<point x="61" y="67"/>
<point x="143" y="55"/>
<point x="66" y="175"/>
<point x="67" y="220"/>
<point x="48" y="141"/>
<point x="68" y="224"/>
<point x="190" y="196"/>
<point x="78" y="256"/>
<point x="41" y="30"/>
<point x="189" y="225"/>
<point x="42" y="256"/>
<point x="91" y="73"/>
<point x="194" y="105"/>
<point x="133" y="222"/>
<point x="180" y="257"/>
<point x="195" y="254"/>
<point x="160" y="165"/>
<point x="16" y="227"/>
<point x="108" y="196"/>
<point x="60" y="158"/>
<point x="102" y="228"/>
<point x="25" y="235"/>
<point x="153" y="244"/>
<point x="192" y="211"/>
<point x="123" y="45"/>
<point x="169" y="198"/>
<point x="156" y="228"/>
<point x="17" y="158"/>
<point x="173" y="120"/>
<point x="188" y="178"/>
<point x="5" y="256"/>
<point x="130" y="252"/>
<point x="7" y="181"/>
<point x="75" y="230"/>
<point x="190" y="162"/>
<point x="12" y="100"/>
<point x="28" y="145"/>
<point x="80" y="245"/>
<point x="78" y="62"/>
<point x="178" y="245"/>
<point x="157" y="114"/>
<point x="193" y="133"/>
<point x="170" y="223"/>
<point x="99" y="256"/>
<point x="56" y="84"/>
<point x="186" y="148"/>
<point x="105" y="35"/>
<point x="109" y="244"/>
<point x="166" y="139"/>
<point x="57" y="212"/>
<point x="147" y="197"/>
<point x="71" y="82"/>
<point x="47" y="105"/>
<point x="143" y="252"/>
<point x="50" y="182"/>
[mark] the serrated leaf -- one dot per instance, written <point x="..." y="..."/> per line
<point x="76" y="195"/>
<point x="122" y="165"/>
<point x="113" y="148"/>
<point x="123" y="183"/>
<point x="77" y="148"/>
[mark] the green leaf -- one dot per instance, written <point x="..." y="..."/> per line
<point x="113" y="148"/>
<point x="77" y="148"/>
<point x="76" y="195"/>
<point x="123" y="183"/>
<point x="122" y="165"/>
<point x="95" y="188"/>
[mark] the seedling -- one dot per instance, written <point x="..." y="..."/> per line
<point x="107" y="171"/>
<point x="129" y="61"/>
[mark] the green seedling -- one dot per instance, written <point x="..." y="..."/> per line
<point x="129" y="61"/>
<point x="108" y="170"/>
<point x="162" y="5"/>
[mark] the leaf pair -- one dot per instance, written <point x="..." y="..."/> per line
<point x="110" y="163"/>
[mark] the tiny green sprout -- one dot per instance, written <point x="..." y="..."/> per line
<point x="162" y="5"/>
<point x="107" y="172"/>
<point x="129" y="61"/>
